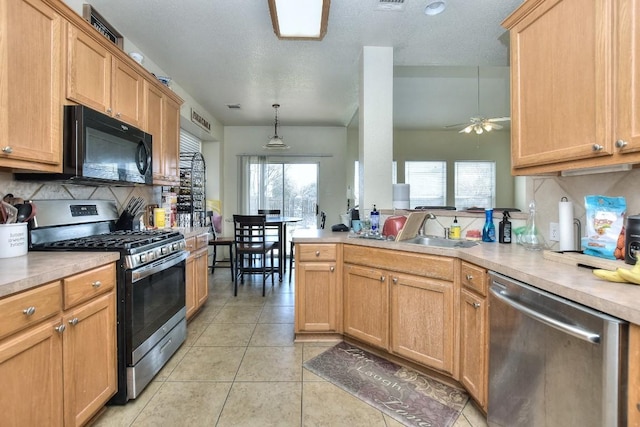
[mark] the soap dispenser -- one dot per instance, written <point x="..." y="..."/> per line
<point x="454" y="231"/>
<point x="375" y="220"/>
<point x="489" y="230"/>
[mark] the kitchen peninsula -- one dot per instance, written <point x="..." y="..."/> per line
<point x="451" y="281"/>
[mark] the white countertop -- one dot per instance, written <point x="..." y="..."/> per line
<point x="575" y="283"/>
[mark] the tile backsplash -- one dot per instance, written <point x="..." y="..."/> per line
<point x="547" y="191"/>
<point x="32" y="190"/>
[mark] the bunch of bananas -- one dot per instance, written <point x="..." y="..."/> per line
<point x="620" y="275"/>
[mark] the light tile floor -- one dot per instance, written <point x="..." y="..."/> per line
<point x="240" y="367"/>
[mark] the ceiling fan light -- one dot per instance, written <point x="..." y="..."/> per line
<point x="487" y="126"/>
<point x="478" y="129"/>
<point x="468" y="129"/>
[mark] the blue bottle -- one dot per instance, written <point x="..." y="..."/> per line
<point x="375" y="220"/>
<point x="489" y="230"/>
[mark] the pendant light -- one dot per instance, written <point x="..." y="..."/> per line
<point x="276" y="143"/>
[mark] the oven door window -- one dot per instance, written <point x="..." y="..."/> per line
<point x="151" y="302"/>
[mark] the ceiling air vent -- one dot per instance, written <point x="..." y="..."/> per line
<point x="392" y="5"/>
<point x="233" y="106"/>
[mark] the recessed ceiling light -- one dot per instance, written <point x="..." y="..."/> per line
<point x="435" y="7"/>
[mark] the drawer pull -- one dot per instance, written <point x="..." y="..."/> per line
<point x="395" y="280"/>
<point x="7" y="150"/>
<point x="382" y="278"/>
<point x="74" y="321"/>
<point x="332" y="268"/>
<point x="476" y="305"/>
<point x="317" y="253"/>
<point x="29" y="311"/>
<point x="469" y="277"/>
<point x="96" y="284"/>
<point x="597" y="147"/>
<point x="60" y="329"/>
<point x="621" y="143"/>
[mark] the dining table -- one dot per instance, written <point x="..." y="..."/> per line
<point x="281" y="223"/>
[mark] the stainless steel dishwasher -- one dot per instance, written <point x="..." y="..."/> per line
<point x="553" y="362"/>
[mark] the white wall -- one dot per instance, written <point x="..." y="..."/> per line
<point x="330" y="142"/>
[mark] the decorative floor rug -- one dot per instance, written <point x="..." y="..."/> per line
<point x="407" y="396"/>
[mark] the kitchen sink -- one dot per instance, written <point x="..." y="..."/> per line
<point x="440" y="242"/>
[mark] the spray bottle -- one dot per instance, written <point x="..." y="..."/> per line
<point x="504" y="228"/>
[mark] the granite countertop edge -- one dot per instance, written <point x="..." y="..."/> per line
<point x="575" y="283"/>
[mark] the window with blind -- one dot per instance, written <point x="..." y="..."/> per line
<point x="475" y="184"/>
<point x="428" y="181"/>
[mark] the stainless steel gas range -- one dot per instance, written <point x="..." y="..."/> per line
<point x="151" y="308"/>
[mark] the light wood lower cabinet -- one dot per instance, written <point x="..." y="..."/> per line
<point x="366" y="305"/>
<point x="58" y="351"/>
<point x="197" y="274"/>
<point x="404" y="303"/>
<point x="474" y="332"/>
<point x="318" y="295"/>
<point x="422" y="321"/>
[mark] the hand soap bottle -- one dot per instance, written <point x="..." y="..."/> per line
<point x="504" y="228"/>
<point x="489" y="230"/>
<point x="454" y="231"/>
<point x="375" y="220"/>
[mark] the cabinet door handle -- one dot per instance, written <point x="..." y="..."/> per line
<point x="332" y="269"/>
<point x="597" y="147"/>
<point x="74" y="321"/>
<point x="109" y="110"/>
<point x="96" y="284"/>
<point x="382" y="278"/>
<point x="317" y="253"/>
<point x="469" y="277"/>
<point x="29" y="311"/>
<point x="476" y="305"/>
<point x="7" y="150"/>
<point x="118" y="115"/>
<point x="60" y="329"/>
<point x="621" y="143"/>
<point x="395" y="280"/>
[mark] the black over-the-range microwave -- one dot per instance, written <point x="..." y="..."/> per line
<point x="98" y="149"/>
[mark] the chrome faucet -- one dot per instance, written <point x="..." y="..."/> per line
<point x="430" y="215"/>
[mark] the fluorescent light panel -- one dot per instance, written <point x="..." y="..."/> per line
<point x="299" y="19"/>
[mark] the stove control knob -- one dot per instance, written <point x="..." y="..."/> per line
<point x="164" y="250"/>
<point x="143" y="258"/>
<point x="174" y="247"/>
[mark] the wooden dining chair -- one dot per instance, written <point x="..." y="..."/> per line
<point x="217" y="241"/>
<point x="251" y="243"/>
<point x="323" y="219"/>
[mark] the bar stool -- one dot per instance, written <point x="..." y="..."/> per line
<point x="219" y="241"/>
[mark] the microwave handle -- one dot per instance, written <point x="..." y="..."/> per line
<point x="143" y="160"/>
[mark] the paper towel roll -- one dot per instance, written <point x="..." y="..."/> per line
<point x="401" y="196"/>
<point x="567" y="231"/>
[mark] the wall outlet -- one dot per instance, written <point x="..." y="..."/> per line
<point x="554" y="232"/>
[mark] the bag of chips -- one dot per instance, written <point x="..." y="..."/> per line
<point x="604" y="222"/>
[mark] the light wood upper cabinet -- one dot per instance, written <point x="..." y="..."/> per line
<point x="567" y="111"/>
<point x="31" y="86"/>
<point x="100" y="81"/>
<point x="162" y="121"/>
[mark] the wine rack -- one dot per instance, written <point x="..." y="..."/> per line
<point x="191" y="204"/>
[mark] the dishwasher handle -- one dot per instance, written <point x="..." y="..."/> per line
<point x="548" y="320"/>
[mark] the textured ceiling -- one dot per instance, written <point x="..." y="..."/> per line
<point x="225" y="52"/>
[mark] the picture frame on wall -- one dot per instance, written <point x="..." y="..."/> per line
<point x="99" y="23"/>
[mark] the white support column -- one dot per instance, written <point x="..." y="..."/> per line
<point x="375" y="147"/>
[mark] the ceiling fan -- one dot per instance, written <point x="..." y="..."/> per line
<point x="480" y="124"/>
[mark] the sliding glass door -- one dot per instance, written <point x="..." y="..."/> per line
<point x="288" y="184"/>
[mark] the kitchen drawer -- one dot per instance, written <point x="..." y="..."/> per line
<point x="433" y="266"/>
<point x="191" y="244"/>
<point x="202" y="241"/>
<point x="317" y="252"/>
<point x="474" y="278"/>
<point x="84" y="286"/>
<point x="42" y="302"/>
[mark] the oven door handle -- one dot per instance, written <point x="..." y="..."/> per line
<point x="148" y="270"/>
